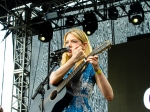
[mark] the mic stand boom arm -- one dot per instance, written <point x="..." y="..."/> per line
<point x="40" y="89"/>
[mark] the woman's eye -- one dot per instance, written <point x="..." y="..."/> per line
<point x="74" y="41"/>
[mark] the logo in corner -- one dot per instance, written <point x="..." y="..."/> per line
<point x="147" y="98"/>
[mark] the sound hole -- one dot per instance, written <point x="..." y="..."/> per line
<point x="53" y="95"/>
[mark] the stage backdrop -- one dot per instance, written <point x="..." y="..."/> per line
<point x="116" y="31"/>
<point x="129" y="74"/>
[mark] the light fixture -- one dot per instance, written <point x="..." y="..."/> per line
<point x="46" y="32"/>
<point x="51" y="15"/>
<point x="136" y="13"/>
<point x="113" y="13"/>
<point x="90" y="23"/>
<point x="70" y="21"/>
<point x="44" y="29"/>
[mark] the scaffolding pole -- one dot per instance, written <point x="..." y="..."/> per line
<point x="22" y="38"/>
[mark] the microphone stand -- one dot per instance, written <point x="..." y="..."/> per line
<point x="40" y="89"/>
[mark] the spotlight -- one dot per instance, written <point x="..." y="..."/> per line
<point x="44" y="28"/>
<point x="136" y="14"/>
<point x="113" y="13"/>
<point x="70" y="21"/>
<point x="51" y="15"/>
<point x="90" y="23"/>
<point x="46" y="32"/>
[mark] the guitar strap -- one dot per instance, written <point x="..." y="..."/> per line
<point x="78" y="75"/>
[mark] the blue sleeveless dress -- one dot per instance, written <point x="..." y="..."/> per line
<point x="81" y="91"/>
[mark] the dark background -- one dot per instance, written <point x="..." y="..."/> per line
<point x="129" y="74"/>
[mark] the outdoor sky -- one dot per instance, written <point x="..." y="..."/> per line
<point x="6" y="70"/>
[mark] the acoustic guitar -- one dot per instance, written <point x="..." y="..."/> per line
<point x="58" y="97"/>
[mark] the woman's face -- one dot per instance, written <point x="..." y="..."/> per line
<point x="72" y="42"/>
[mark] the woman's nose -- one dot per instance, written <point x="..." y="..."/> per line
<point x="69" y="44"/>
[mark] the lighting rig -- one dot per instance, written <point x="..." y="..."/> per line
<point x="73" y="13"/>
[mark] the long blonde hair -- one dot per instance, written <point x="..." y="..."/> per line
<point x="81" y="36"/>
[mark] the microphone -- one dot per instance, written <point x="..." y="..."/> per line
<point x="60" y="51"/>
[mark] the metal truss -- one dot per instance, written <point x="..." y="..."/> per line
<point x="19" y="23"/>
<point x="76" y="8"/>
<point x="22" y="61"/>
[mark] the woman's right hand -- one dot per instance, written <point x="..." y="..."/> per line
<point x="77" y="53"/>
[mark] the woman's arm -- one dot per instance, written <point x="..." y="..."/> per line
<point x="57" y="76"/>
<point x="104" y="85"/>
<point x="100" y="78"/>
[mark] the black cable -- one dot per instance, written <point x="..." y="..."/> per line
<point x="6" y="35"/>
<point x="48" y="87"/>
<point x="113" y="34"/>
<point x="35" y="74"/>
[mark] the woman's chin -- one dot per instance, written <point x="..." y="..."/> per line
<point x="69" y="54"/>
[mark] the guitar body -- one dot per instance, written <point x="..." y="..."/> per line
<point x="53" y="101"/>
<point x="61" y="100"/>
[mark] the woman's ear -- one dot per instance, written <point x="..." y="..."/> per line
<point x="84" y="45"/>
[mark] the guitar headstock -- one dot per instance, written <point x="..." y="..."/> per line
<point x="101" y="48"/>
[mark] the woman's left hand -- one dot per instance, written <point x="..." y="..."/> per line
<point x="94" y="61"/>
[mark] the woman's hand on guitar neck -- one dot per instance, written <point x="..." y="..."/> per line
<point x="94" y="61"/>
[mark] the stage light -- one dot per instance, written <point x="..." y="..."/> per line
<point x="136" y="14"/>
<point x="44" y="28"/>
<point x="90" y="23"/>
<point x="46" y="32"/>
<point x="70" y="21"/>
<point x="113" y="13"/>
<point x="51" y="15"/>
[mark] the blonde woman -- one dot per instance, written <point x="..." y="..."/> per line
<point x="80" y="47"/>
